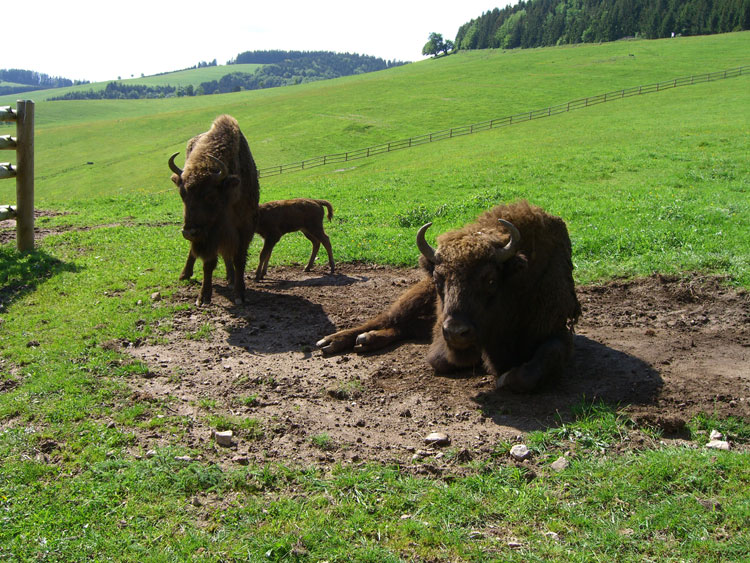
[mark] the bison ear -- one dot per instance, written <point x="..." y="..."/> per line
<point x="176" y="179"/>
<point x="515" y="265"/>
<point x="426" y="265"/>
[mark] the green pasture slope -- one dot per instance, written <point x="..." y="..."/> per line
<point x="654" y="183"/>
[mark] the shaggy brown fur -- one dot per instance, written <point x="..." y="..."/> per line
<point x="514" y="316"/>
<point x="277" y="218"/>
<point x="220" y="191"/>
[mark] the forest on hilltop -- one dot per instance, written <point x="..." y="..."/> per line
<point x="280" y="68"/>
<point x="28" y="80"/>
<point x="540" y="23"/>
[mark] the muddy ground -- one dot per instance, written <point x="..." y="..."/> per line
<point x="661" y="348"/>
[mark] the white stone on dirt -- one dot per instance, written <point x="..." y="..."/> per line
<point x="519" y="452"/>
<point x="224" y="438"/>
<point x="156" y="296"/>
<point x="718" y="445"/>
<point x="437" y="439"/>
<point x="715" y="435"/>
<point x="560" y="463"/>
<point x="151" y="453"/>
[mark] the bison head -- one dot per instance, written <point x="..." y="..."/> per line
<point x="470" y="271"/>
<point x="206" y="189"/>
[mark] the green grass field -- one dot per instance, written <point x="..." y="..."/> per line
<point x="655" y="183"/>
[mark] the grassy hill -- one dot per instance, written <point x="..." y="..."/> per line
<point x="193" y="76"/>
<point x="655" y="183"/>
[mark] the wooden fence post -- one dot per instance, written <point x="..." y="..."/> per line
<point x="25" y="175"/>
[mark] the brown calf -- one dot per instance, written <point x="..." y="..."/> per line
<point x="277" y="218"/>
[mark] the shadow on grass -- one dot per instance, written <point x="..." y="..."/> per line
<point x="21" y="274"/>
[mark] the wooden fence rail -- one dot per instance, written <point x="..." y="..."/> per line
<point x="500" y="122"/>
<point x="23" y="171"/>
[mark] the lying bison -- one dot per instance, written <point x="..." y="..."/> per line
<point x="498" y="291"/>
<point x="277" y="218"/>
<point x="220" y="191"/>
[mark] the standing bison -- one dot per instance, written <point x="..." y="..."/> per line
<point x="220" y="191"/>
<point x="498" y="291"/>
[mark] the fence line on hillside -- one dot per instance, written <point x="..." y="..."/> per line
<point x="23" y="171"/>
<point x="391" y="146"/>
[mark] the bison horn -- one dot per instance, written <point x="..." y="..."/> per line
<point x="510" y="249"/>
<point x="222" y="173"/>
<point x="427" y="251"/>
<point x="173" y="167"/>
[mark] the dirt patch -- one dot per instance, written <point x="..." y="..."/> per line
<point x="662" y="348"/>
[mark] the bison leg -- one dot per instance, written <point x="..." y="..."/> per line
<point x="237" y="266"/>
<point x="327" y="245"/>
<point x="265" y="256"/>
<point x="187" y="271"/>
<point x="545" y="365"/>
<point x="410" y="316"/>
<point x="207" y="288"/>
<point x="315" y="248"/>
<point x="229" y="266"/>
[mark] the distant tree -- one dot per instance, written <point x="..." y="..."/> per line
<point x="436" y="45"/>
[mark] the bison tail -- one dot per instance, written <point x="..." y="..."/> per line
<point x="328" y="205"/>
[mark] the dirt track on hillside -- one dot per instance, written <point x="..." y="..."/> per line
<point x="662" y="348"/>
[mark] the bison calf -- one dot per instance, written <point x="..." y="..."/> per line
<point x="498" y="292"/>
<point x="277" y="218"/>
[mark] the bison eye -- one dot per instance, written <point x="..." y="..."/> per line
<point x="490" y="284"/>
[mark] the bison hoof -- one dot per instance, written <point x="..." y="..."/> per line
<point x="520" y="379"/>
<point x="328" y="346"/>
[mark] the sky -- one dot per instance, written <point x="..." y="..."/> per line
<point x="101" y="40"/>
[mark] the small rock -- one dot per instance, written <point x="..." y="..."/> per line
<point x="520" y="452"/>
<point x="715" y="435"/>
<point x="183" y="458"/>
<point x="515" y="545"/>
<point x="241" y="460"/>
<point x="560" y="463"/>
<point x="718" y="445"/>
<point x="406" y="413"/>
<point x="437" y="439"/>
<point x="156" y="296"/>
<point x="32" y="344"/>
<point x="151" y="453"/>
<point x="224" y="438"/>
<point x="552" y="535"/>
<point x="139" y="302"/>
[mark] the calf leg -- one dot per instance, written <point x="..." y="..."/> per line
<point x="265" y="255"/>
<point x="410" y="316"/>
<point x="546" y="364"/>
<point x="315" y="248"/>
<point x="316" y="237"/>
<point x="187" y="271"/>
<point x="229" y="266"/>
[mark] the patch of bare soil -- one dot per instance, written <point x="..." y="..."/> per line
<point x="662" y="348"/>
